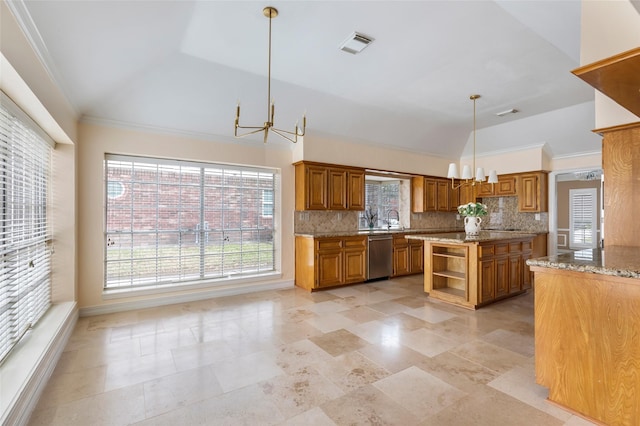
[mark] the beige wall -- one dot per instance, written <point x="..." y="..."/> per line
<point x="95" y="141"/>
<point x="608" y="27"/>
<point x="28" y="84"/>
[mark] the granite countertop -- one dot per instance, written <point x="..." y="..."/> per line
<point x="460" y="237"/>
<point x="619" y="261"/>
<point x="375" y="232"/>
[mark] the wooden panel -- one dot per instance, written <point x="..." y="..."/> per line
<point x="487" y="281"/>
<point x="527" y="195"/>
<point x="355" y="266"/>
<point x="485" y="190"/>
<point x="355" y="189"/>
<point x="621" y="163"/>
<point x="330" y="268"/>
<point x="329" y="244"/>
<point x="305" y="262"/>
<point x="506" y="185"/>
<point x="316" y="191"/>
<point x="500" y="249"/>
<point x="417" y="194"/>
<point x="587" y="343"/>
<point x="618" y="77"/>
<point x="515" y="274"/>
<point x="337" y="189"/>
<point x="355" y="242"/>
<point x="416" y="262"/>
<point x="467" y="194"/>
<point x="401" y="260"/>
<point x="539" y="246"/>
<point x="430" y="195"/>
<point x="442" y="194"/>
<point x="502" y="276"/>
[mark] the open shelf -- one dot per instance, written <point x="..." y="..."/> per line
<point x="452" y="291"/>
<point x="451" y="274"/>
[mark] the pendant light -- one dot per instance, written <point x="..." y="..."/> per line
<point x="270" y="12"/>
<point x="467" y="176"/>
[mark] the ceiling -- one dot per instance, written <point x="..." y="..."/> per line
<point x="181" y="66"/>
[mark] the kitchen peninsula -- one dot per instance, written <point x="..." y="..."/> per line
<point x="587" y="345"/>
<point x="472" y="271"/>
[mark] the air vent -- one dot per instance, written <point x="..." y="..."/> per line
<point x="355" y="43"/>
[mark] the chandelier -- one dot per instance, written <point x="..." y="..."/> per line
<point x="468" y="178"/>
<point x="269" y="12"/>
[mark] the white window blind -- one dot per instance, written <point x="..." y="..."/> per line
<point x="25" y="285"/>
<point x="170" y="221"/>
<point x="582" y="218"/>
<point x="381" y="197"/>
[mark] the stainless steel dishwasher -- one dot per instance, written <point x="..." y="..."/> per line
<point x="379" y="256"/>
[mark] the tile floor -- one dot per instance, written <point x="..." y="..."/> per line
<point x="381" y="353"/>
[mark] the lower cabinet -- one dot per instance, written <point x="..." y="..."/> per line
<point x="503" y="270"/>
<point x="329" y="262"/>
<point x="408" y="256"/>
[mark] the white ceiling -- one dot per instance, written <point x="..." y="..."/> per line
<point x="182" y="66"/>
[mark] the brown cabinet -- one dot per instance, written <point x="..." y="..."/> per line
<point x="329" y="262"/>
<point x="475" y="274"/>
<point x="506" y="186"/>
<point x="532" y="192"/>
<point x="327" y="187"/>
<point x="466" y="194"/>
<point x="408" y="256"/>
<point x="432" y="195"/>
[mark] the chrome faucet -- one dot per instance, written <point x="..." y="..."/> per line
<point x="389" y="217"/>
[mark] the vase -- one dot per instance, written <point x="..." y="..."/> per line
<point x="472" y="225"/>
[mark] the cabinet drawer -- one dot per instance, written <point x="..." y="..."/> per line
<point x="329" y="244"/>
<point x="501" y="249"/>
<point x="527" y="246"/>
<point x="515" y="247"/>
<point x="359" y="242"/>
<point x="487" y="251"/>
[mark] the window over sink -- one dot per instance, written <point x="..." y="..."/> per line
<point x="382" y="199"/>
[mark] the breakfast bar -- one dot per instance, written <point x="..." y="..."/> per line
<point x="472" y="271"/>
<point x="587" y="332"/>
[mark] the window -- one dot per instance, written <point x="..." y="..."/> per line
<point x="582" y="218"/>
<point x="180" y="221"/>
<point x="383" y="199"/>
<point x="25" y="282"/>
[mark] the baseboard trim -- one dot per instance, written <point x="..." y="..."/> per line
<point x="231" y="290"/>
<point x="31" y="364"/>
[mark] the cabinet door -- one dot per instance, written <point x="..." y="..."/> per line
<point x="430" y="195"/>
<point x="487" y="283"/>
<point x="355" y="265"/>
<point x="454" y="197"/>
<point x="416" y="257"/>
<point x="506" y="186"/>
<point x="467" y="194"/>
<point x="337" y="189"/>
<point x="401" y="260"/>
<point x="502" y="276"/>
<point x="515" y="273"/>
<point x="316" y="196"/>
<point x="528" y="194"/>
<point x="485" y="190"/>
<point x="355" y="190"/>
<point x="330" y="268"/>
<point x="442" y="194"/>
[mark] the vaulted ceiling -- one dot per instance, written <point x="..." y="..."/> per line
<point x="181" y="66"/>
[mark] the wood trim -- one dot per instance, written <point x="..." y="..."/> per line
<point x="617" y="128"/>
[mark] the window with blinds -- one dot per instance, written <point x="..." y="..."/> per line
<point x="382" y="197"/>
<point x="172" y="222"/>
<point x="25" y="284"/>
<point x="583" y="218"/>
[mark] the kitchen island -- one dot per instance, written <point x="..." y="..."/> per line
<point x="472" y="271"/>
<point x="587" y="332"/>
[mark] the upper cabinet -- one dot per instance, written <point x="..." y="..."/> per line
<point x="532" y="192"/>
<point x="430" y="194"/>
<point x="328" y="187"/>
<point x="506" y="186"/>
<point x="618" y="77"/>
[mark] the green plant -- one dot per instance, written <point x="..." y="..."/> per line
<point x="472" y="209"/>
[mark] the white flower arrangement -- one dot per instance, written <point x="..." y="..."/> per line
<point x="472" y="209"/>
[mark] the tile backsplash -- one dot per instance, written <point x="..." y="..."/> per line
<point x="503" y="215"/>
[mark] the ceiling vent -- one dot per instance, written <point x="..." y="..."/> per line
<point x="509" y="111"/>
<point x="355" y="43"/>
